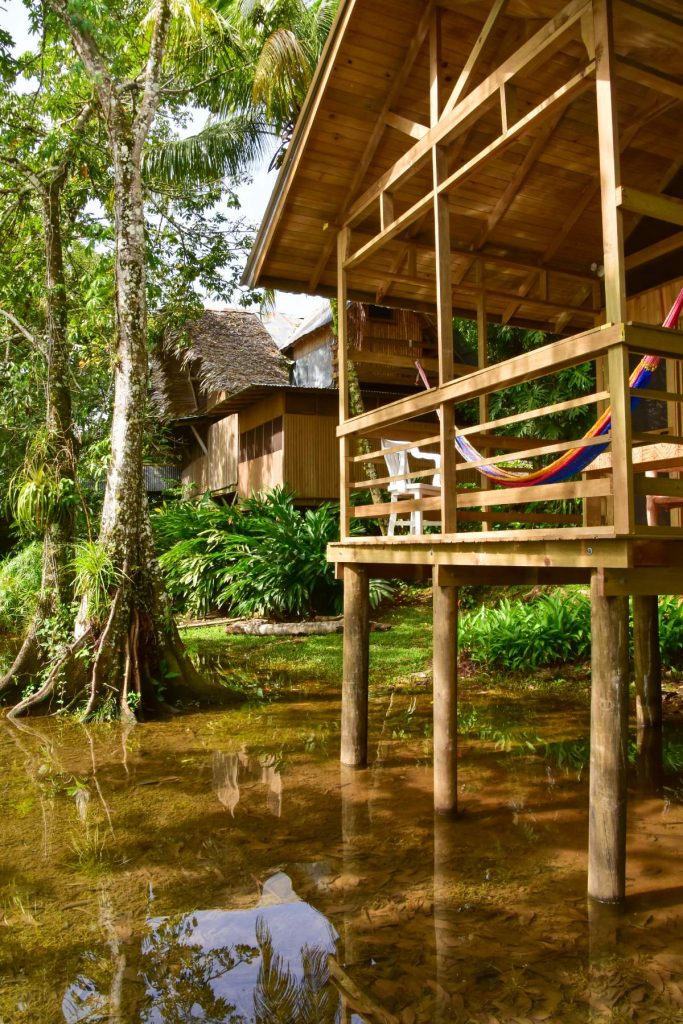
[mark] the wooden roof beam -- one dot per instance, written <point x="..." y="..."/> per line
<point x="648" y="204"/>
<point x="376" y="136"/>
<point x="473" y="106"/>
<point x="652" y="78"/>
<point x="654" y="19"/>
<point x="653" y="252"/>
<point x="463" y="288"/>
<point x="650" y="111"/>
<point x="561" y="96"/>
<point x="465" y="76"/>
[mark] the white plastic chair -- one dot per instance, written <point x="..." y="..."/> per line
<point x="397" y="464"/>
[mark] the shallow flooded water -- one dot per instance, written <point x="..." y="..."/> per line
<point x="204" y="868"/>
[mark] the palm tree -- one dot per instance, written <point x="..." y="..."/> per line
<point x="274" y="47"/>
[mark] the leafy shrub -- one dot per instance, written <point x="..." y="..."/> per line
<point x="95" y="576"/>
<point x="552" y="629"/>
<point x="671" y="631"/>
<point x="261" y="557"/>
<point x="20" y="575"/>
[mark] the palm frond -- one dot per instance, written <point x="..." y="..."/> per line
<point x="226" y="147"/>
<point x="282" y="72"/>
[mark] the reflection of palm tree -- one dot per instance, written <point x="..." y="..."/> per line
<point x="179" y="975"/>
<point x="280" y="999"/>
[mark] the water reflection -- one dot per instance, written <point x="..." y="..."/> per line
<point x="266" y="965"/>
<point x="235" y="772"/>
<point x="110" y="838"/>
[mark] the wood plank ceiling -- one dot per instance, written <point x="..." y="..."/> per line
<point x="530" y="208"/>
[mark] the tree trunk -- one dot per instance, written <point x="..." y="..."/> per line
<point x="138" y="648"/>
<point x="55" y="590"/>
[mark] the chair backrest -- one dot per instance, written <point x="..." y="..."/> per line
<point x="397" y="462"/>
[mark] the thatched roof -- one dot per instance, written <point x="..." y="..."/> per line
<point x="225" y="351"/>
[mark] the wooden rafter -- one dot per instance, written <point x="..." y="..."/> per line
<point x="376" y="136"/>
<point x="590" y="192"/>
<point x="465" y="76"/>
<point x="563" y="95"/>
<point x="471" y="108"/>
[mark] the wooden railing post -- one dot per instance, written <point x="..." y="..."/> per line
<point x="345" y="443"/>
<point x="444" y="318"/>
<point x="610" y="164"/>
<point x="622" y="444"/>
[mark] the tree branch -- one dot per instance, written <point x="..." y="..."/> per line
<point x="20" y="327"/>
<point x="152" y="77"/>
<point x="89" y="52"/>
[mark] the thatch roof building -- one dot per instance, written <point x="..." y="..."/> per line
<point x="221" y="360"/>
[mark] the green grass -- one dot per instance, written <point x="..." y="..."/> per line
<point x="395" y="655"/>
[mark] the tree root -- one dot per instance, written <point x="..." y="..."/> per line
<point x="69" y="658"/>
<point x="27" y="662"/>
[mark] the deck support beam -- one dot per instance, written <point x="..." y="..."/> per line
<point x="609" y="747"/>
<point x="354" y="715"/>
<point x="445" y="671"/>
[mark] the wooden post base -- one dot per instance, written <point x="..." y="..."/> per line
<point x="445" y="661"/>
<point x="609" y="747"/>
<point x="354" y="716"/>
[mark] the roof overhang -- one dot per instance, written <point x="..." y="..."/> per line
<point x="532" y="207"/>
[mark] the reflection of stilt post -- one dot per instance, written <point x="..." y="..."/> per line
<point x="444" y="837"/>
<point x="609" y="746"/>
<point x="354" y="720"/>
<point x="354" y="825"/>
<point x="445" y="671"/>
<point x="648" y="675"/>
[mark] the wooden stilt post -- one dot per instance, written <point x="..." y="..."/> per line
<point x="648" y="675"/>
<point x="354" y="717"/>
<point x="609" y="747"/>
<point x="445" y="670"/>
<point x="648" y="665"/>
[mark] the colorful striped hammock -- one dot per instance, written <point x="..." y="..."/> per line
<point x="576" y="459"/>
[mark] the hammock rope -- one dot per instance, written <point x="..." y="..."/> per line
<point x="577" y="459"/>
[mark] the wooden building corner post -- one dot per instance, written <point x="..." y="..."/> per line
<point x="445" y="673"/>
<point x="610" y="165"/>
<point x="354" y="713"/>
<point x="343" y="243"/>
<point x="609" y="746"/>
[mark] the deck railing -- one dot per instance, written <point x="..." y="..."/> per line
<point x="607" y="499"/>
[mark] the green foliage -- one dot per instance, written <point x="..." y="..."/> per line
<point x="671" y="630"/>
<point x="262" y="557"/>
<point x="95" y="576"/>
<point x="20" y="576"/>
<point x="517" y="635"/>
<point x="552" y="629"/>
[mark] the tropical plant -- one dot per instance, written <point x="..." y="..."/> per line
<point x="260" y="557"/>
<point x="275" y="47"/>
<point x="20" y="575"/>
<point x="515" y="634"/>
<point x="552" y="629"/>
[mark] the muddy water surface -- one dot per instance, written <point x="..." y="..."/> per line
<point x="204" y="868"/>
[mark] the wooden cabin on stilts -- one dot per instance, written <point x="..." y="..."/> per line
<point x="511" y="162"/>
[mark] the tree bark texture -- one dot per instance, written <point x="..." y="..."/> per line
<point x="55" y="590"/>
